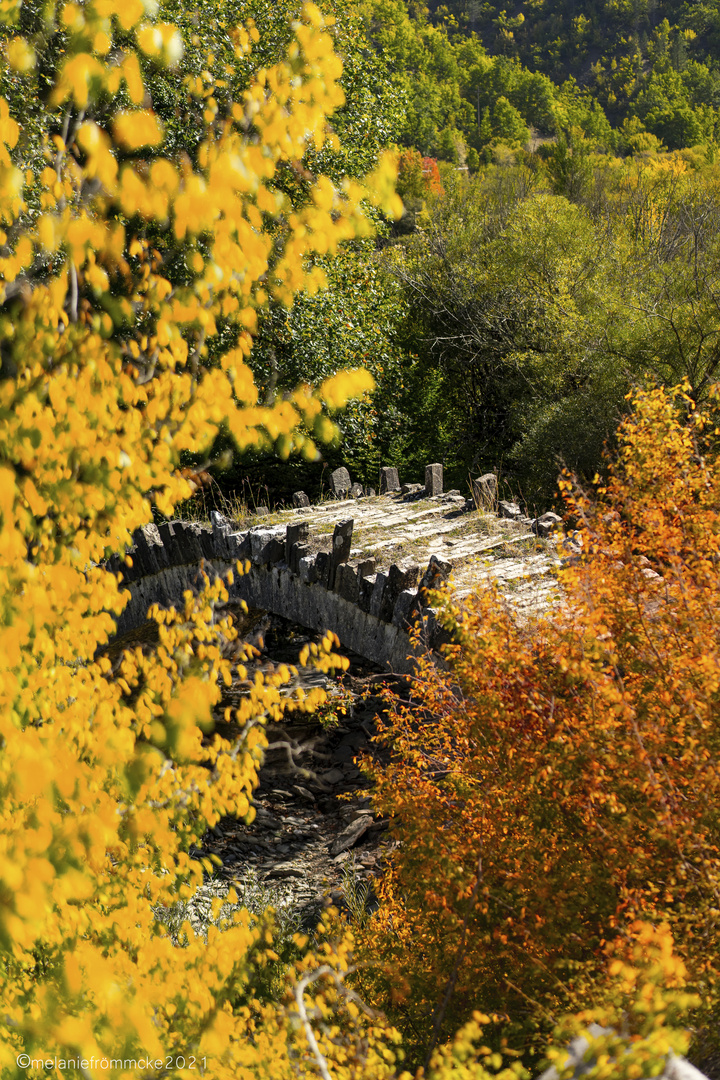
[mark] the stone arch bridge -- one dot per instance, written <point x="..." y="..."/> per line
<point x="359" y="567"/>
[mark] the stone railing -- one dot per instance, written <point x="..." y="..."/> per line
<point x="370" y="610"/>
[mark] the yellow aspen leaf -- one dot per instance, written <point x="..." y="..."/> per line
<point x="20" y="54"/>
<point x="136" y="129"/>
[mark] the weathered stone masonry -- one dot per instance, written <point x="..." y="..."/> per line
<point x="370" y="611"/>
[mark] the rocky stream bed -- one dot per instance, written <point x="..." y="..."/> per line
<point x="314" y="836"/>
<point x="314" y="839"/>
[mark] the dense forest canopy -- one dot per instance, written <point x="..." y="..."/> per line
<point x="494" y="135"/>
<point x="661" y="83"/>
<point x="643" y="66"/>
<point x="564" y="251"/>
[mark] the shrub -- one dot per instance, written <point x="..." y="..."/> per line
<point x="563" y="779"/>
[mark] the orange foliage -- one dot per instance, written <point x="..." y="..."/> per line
<point x="431" y="175"/>
<point x="564" y="780"/>
<point x="418" y="176"/>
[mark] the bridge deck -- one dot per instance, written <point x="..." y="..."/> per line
<point x="480" y="546"/>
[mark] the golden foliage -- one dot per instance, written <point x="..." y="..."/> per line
<point x="109" y="775"/>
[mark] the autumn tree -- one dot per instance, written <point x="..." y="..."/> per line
<point x="561" y="779"/>
<point x="124" y="260"/>
<point x="351" y="322"/>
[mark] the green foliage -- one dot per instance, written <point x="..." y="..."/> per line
<point x="351" y="322"/>
<point x="618" y="50"/>
<point x="539" y="292"/>
<point x="587" y="66"/>
<point x="505" y="286"/>
<point x="451" y="84"/>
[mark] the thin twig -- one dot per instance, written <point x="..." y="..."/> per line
<point x="73" y="292"/>
<point x="299" y="994"/>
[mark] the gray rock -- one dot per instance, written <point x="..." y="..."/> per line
<point x="350" y="836"/>
<point x="213" y="546"/>
<point x="370" y="492"/>
<point x="285" y="871"/>
<point x="342" y="543"/>
<point x="356" y="491"/>
<point x="428" y="626"/>
<point x="152" y="537"/>
<point x="406" y="605"/>
<point x="115" y="564"/>
<point x="332" y="776"/>
<point x="187" y="543"/>
<point x="300" y="499"/>
<point x="306" y="569"/>
<point x="323" y="562"/>
<point x="144" y="552"/>
<point x="239" y="544"/>
<point x="433" y="479"/>
<point x="437" y="573"/>
<point x="221" y="530"/>
<point x="411" y="489"/>
<point x="366" y="588"/>
<point x="676" y="1068"/>
<point x="547" y="524"/>
<point x="376" y="598"/>
<point x="219" y="522"/>
<point x="485" y="491"/>
<point x="389" y="480"/>
<point x="340" y="483"/>
<point x="509" y="510"/>
<point x="295" y="534"/>
<point x="298" y="552"/>
<point x="576" y="1053"/>
<point x="265" y="547"/>
<point x="262" y="510"/>
<point x="346" y="583"/>
<point x="151" y="533"/>
<point x="399" y="579"/>
<point x="365" y="568"/>
<point x="167" y="535"/>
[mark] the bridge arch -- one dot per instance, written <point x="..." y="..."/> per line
<point x="370" y="611"/>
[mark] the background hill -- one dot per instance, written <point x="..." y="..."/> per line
<point x="614" y="70"/>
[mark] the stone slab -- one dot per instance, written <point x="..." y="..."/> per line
<point x="341" y="546"/>
<point x="485" y="491"/>
<point x="340" y="483"/>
